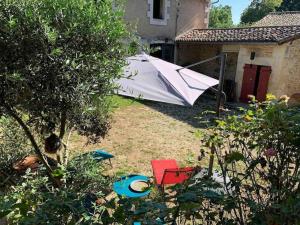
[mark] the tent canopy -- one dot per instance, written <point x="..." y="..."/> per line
<point x="150" y="78"/>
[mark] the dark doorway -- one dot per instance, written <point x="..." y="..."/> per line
<point x="255" y="82"/>
<point x="163" y="51"/>
<point x="230" y="84"/>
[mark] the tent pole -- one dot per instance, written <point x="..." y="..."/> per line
<point x="223" y="57"/>
<point x="220" y="92"/>
<point x="201" y="62"/>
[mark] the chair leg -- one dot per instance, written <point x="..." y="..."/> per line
<point x="161" y="189"/>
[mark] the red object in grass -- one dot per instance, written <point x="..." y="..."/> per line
<point x="167" y="172"/>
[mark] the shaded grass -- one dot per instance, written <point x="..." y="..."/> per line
<point x="122" y="102"/>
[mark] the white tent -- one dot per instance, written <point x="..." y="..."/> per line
<point x="151" y="78"/>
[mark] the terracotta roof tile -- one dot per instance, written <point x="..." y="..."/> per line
<point x="279" y="19"/>
<point x="250" y="34"/>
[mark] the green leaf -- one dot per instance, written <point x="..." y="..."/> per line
<point x="187" y="197"/>
<point x="234" y="157"/>
<point x="56" y="52"/>
<point x="211" y="194"/>
<point x="58" y="173"/>
<point x="4" y="213"/>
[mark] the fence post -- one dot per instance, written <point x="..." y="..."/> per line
<point x="223" y="57"/>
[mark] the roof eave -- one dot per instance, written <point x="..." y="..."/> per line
<point x="292" y="38"/>
<point x="227" y="42"/>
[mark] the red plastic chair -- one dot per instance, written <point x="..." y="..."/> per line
<point x="167" y="172"/>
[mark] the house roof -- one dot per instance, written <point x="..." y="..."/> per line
<point x="279" y="19"/>
<point x="273" y="34"/>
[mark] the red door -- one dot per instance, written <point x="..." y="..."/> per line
<point x="249" y="78"/>
<point x="263" y="82"/>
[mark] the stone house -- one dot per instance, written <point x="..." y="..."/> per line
<point x="263" y="58"/>
<point x="158" y="22"/>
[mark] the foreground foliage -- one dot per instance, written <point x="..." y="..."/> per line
<point x="259" y="151"/>
<point x="36" y="201"/>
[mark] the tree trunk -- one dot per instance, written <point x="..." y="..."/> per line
<point x="63" y="121"/>
<point x="33" y="142"/>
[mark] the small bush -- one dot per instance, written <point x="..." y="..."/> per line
<point x="35" y="201"/>
<point x="260" y="151"/>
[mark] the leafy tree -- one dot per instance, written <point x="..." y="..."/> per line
<point x="220" y="17"/>
<point x="58" y="61"/>
<point x="289" y="5"/>
<point x="258" y="9"/>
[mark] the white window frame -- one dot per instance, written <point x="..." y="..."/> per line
<point x="160" y="22"/>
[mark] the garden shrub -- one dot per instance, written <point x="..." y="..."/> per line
<point x="35" y="201"/>
<point x="260" y="151"/>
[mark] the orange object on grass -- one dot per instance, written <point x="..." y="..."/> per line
<point x="31" y="161"/>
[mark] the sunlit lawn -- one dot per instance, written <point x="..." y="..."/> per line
<point x="144" y="131"/>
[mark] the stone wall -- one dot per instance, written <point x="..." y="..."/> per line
<point x="291" y="68"/>
<point x="284" y="61"/>
<point x="232" y="59"/>
<point x="136" y="12"/>
<point x="191" y="14"/>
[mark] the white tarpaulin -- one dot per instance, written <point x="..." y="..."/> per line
<point x="158" y="80"/>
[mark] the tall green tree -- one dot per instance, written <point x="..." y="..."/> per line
<point x="258" y="9"/>
<point x="220" y="17"/>
<point x="289" y="5"/>
<point x="58" y="61"/>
